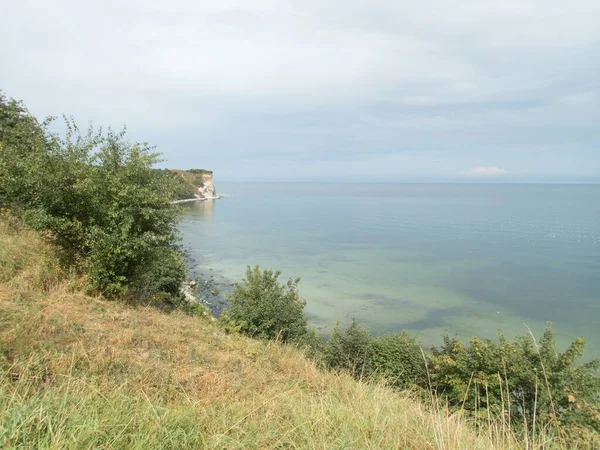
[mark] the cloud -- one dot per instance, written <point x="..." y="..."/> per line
<point x="492" y="171"/>
<point x="219" y="81"/>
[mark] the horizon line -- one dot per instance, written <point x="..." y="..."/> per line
<point x="538" y="182"/>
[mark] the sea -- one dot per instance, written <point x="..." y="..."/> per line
<point x="459" y="259"/>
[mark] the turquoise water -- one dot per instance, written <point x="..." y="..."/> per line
<point x="463" y="258"/>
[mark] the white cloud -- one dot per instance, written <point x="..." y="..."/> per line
<point x="347" y="79"/>
<point x="291" y="54"/>
<point x="492" y="171"/>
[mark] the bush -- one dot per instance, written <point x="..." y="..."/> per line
<point x="22" y="151"/>
<point x="529" y="381"/>
<point x="262" y="307"/>
<point x="97" y="197"/>
<point x="398" y="358"/>
<point x="163" y="272"/>
<point x="349" y="350"/>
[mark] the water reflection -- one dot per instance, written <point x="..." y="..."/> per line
<point x="205" y="209"/>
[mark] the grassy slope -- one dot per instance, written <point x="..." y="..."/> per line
<point x="82" y="372"/>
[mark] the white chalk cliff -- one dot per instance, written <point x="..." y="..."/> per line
<point x="207" y="189"/>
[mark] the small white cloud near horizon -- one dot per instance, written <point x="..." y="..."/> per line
<point x="492" y="171"/>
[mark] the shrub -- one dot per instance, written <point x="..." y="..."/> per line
<point x="22" y="151"/>
<point x="398" y="358"/>
<point x="163" y="272"/>
<point x="264" y="308"/>
<point x="97" y="197"/>
<point x="529" y="381"/>
<point x="312" y="343"/>
<point x="349" y="350"/>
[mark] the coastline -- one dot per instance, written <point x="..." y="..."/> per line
<point x="195" y="199"/>
<point x="203" y="285"/>
<point x="208" y="288"/>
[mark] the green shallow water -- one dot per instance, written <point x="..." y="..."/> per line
<point x="463" y="258"/>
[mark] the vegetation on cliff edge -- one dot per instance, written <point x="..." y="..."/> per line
<point x="188" y="182"/>
<point x="526" y="384"/>
<point x="97" y="197"/>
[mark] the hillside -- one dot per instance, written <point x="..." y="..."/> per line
<point x="81" y="372"/>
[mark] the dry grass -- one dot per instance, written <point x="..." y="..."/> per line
<point x="82" y="372"/>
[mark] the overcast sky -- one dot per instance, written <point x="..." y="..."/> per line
<point x="324" y="90"/>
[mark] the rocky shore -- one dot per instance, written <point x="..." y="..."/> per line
<point x="209" y="288"/>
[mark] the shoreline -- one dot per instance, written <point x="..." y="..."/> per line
<point x="195" y="199"/>
<point x="201" y="286"/>
<point x="200" y="289"/>
<point x="208" y="287"/>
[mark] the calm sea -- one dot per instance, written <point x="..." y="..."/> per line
<point x="467" y="259"/>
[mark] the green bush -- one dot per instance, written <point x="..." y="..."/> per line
<point x="164" y="271"/>
<point x="23" y="150"/>
<point x="523" y="381"/>
<point x="262" y="307"/>
<point x="527" y="380"/>
<point x="399" y="359"/>
<point x="349" y="350"/>
<point x="396" y="358"/>
<point x="312" y="343"/>
<point x="97" y="197"/>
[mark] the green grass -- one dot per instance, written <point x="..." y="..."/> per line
<point x="79" y="372"/>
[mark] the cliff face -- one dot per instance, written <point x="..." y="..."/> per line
<point x="196" y="183"/>
<point x="206" y="189"/>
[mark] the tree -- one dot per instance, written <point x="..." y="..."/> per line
<point x="22" y="151"/>
<point x="97" y="197"/>
<point x="264" y="308"/>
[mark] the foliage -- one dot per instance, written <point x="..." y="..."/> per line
<point x="264" y="308"/>
<point x="164" y="272"/>
<point x="22" y="150"/>
<point x="396" y="358"/>
<point x="529" y="381"/>
<point x="349" y="350"/>
<point x="97" y="197"/>
<point x="182" y="189"/>
<point x="200" y="171"/>
<point x="312" y="343"/>
<point x="399" y="359"/>
<point x="528" y="384"/>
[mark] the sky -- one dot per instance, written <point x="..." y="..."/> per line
<point x="337" y="90"/>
